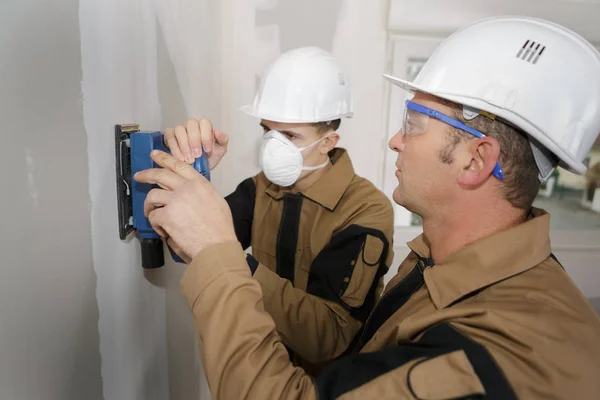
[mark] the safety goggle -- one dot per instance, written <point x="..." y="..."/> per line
<point x="416" y="119"/>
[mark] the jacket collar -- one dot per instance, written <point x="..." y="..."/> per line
<point x="487" y="261"/>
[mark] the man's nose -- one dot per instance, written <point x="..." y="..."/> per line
<point x="396" y="143"/>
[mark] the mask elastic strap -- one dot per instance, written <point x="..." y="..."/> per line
<point x="314" y="143"/>
<point x="313" y="168"/>
<point x="316" y="166"/>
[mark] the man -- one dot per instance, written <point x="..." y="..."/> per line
<point x="320" y="235"/>
<point x="480" y="308"/>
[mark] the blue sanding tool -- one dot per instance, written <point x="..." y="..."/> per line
<point x="132" y="149"/>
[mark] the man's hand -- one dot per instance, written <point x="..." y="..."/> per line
<point x="187" y="208"/>
<point x="187" y="142"/>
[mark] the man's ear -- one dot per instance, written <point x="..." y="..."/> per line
<point x="329" y="143"/>
<point x="479" y="162"/>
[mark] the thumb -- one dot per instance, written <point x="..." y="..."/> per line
<point x="178" y="250"/>
<point x="221" y="138"/>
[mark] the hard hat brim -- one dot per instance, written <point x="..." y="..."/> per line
<point x="406" y="85"/>
<point x="249" y="109"/>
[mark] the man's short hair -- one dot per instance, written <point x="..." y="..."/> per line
<point x="329" y="126"/>
<point x="521" y="184"/>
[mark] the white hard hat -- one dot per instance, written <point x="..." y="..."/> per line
<point x="303" y="85"/>
<point x="534" y="74"/>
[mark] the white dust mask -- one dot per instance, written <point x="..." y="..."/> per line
<point x="282" y="161"/>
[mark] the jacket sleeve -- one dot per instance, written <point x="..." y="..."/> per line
<point x="345" y="281"/>
<point x="244" y="358"/>
<point x="237" y="338"/>
<point x="241" y="202"/>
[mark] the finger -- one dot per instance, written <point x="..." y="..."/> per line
<point x="161" y="232"/>
<point x="156" y="198"/>
<point x="178" y="250"/>
<point x="182" y="140"/>
<point x="167" y="179"/>
<point x="174" y="246"/>
<point x="156" y="218"/>
<point x="182" y="169"/>
<point x="194" y="137"/>
<point x="221" y="138"/>
<point x="206" y="130"/>
<point x="172" y="144"/>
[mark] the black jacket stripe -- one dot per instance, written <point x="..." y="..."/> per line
<point x="389" y="304"/>
<point x="252" y="263"/>
<point x="332" y="268"/>
<point x="556" y="259"/>
<point x="241" y="202"/>
<point x="353" y="371"/>
<point x="287" y="238"/>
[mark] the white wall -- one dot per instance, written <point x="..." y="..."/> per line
<point x="118" y="45"/>
<point x="152" y="63"/>
<point x="49" y="342"/>
<point x="360" y="43"/>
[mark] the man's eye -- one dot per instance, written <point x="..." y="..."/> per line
<point x="413" y="124"/>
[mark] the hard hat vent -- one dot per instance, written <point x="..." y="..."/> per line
<point x="531" y="51"/>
